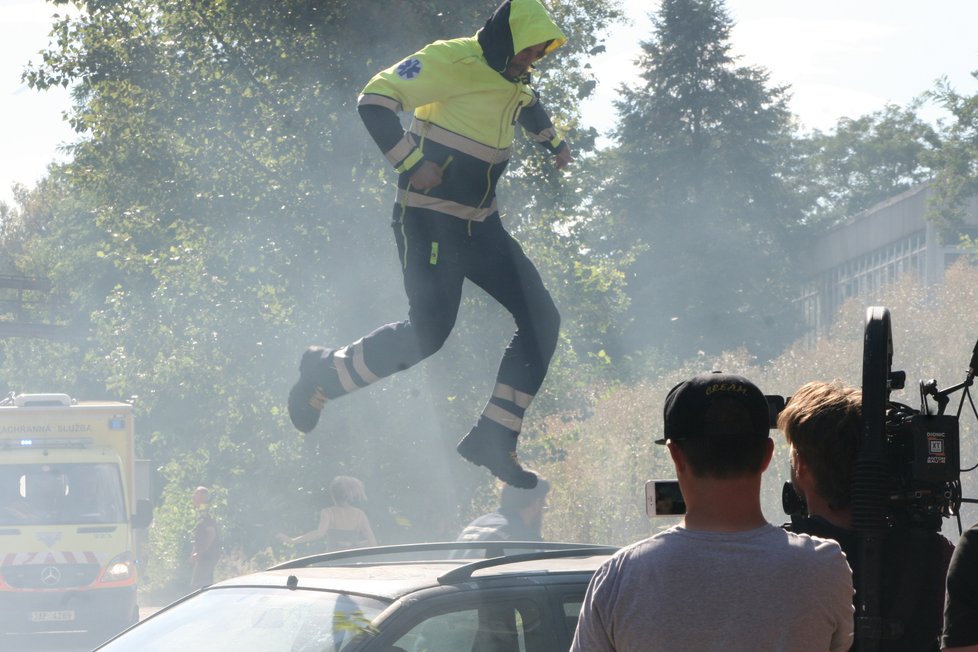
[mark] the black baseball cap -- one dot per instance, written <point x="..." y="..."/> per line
<point x="716" y="406"/>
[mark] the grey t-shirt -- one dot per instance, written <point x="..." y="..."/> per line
<point x="759" y="590"/>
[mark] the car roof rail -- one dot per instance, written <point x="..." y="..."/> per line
<point x="491" y="550"/>
<point x="465" y="572"/>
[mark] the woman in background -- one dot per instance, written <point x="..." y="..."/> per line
<point x="343" y="525"/>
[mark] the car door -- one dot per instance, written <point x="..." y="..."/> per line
<point x="566" y="603"/>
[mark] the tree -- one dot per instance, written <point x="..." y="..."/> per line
<point x="701" y="142"/>
<point x="956" y="181"/>
<point x="862" y="162"/>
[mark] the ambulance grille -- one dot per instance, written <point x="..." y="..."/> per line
<point x="50" y="576"/>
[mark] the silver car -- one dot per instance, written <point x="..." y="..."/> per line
<point x="519" y="596"/>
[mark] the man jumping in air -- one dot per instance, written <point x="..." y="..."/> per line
<point x="467" y="95"/>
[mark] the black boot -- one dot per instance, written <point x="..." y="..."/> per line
<point x="491" y="445"/>
<point x="308" y="395"/>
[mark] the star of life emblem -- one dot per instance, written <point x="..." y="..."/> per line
<point x="409" y="69"/>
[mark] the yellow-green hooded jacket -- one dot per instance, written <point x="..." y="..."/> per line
<point x="465" y="110"/>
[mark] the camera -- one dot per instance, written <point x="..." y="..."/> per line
<point x="907" y="473"/>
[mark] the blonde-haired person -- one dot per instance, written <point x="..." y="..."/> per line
<point x="343" y="525"/>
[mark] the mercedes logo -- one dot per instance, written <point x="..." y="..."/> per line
<point x="50" y="576"/>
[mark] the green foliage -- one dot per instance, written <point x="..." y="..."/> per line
<point x="862" y="162"/>
<point x="695" y="182"/>
<point x="171" y="534"/>
<point x="956" y="181"/>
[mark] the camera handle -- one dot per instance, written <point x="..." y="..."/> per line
<point x="870" y="476"/>
<point x="942" y="397"/>
<point x="929" y="388"/>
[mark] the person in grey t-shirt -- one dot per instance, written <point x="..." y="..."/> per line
<point x="724" y="578"/>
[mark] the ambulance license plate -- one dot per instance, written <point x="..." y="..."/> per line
<point x="51" y="616"/>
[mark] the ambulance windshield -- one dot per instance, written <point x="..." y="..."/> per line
<point x="48" y="494"/>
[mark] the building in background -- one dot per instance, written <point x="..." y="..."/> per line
<point x="876" y="249"/>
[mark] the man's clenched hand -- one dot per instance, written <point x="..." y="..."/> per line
<point x="426" y="177"/>
<point x="563" y="157"/>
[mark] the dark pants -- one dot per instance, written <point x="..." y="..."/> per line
<point x="203" y="573"/>
<point x="437" y="254"/>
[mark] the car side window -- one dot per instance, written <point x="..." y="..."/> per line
<point x="572" y="611"/>
<point x="490" y="627"/>
<point x="450" y="631"/>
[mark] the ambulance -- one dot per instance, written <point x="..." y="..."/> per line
<point x="69" y="516"/>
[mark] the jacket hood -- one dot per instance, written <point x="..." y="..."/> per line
<point x="515" y="25"/>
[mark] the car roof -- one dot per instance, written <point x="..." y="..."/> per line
<point x="390" y="572"/>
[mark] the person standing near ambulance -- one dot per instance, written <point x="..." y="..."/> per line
<point x="467" y="95"/>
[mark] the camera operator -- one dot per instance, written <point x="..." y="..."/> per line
<point x="961" y="610"/>
<point x="823" y="423"/>
<point x="724" y="578"/>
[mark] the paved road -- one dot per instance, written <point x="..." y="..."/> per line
<point x="47" y="643"/>
<point x="57" y="642"/>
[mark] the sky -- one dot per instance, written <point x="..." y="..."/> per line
<point x="841" y="58"/>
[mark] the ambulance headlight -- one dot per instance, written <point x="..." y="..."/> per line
<point x="120" y="569"/>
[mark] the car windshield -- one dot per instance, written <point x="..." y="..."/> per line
<point x="254" y="619"/>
